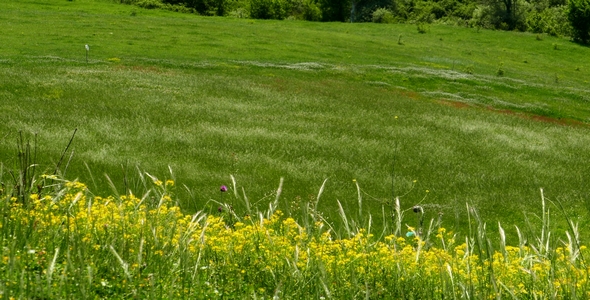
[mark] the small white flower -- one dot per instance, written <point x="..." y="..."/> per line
<point x="87" y="47"/>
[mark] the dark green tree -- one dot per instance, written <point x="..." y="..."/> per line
<point x="267" y="9"/>
<point x="506" y="13"/>
<point x="364" y="9"/>
<point x="579" y="17"/>
<point x="335" y="10"/>
<point x="203" y="7"/>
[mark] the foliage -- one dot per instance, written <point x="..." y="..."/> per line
<point x="382" y="15"/>
<point x="203" y="7"/>
<point x="502" y="14"/>
<point x="310" y="11"/>
<point x="149" y="4"/>
<point x="553" y="21"/>
<point x="159" y="4"/>
<point x="579" y="17"/>
<point x="334" y="10"/>
<point x="481" y="17"/>
<point x="267" y="9"/>
<point x="364" y="9"/>
<point x="68" y="242"/>
<point x="537" y="16"/>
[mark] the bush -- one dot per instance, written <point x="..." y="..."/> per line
<point x="464" y="11"/>
<point x="509" y="15"/>
<point x="149" y="4"/>
<point x="382" y="15"/>
<point x="424" y="12"/>
<point x="301" y="10"/>
<point x="552" y="21"/>
<point x="535" y="23"/>
<point x="267" y="9"/>
<point x="481" y="17"/>
<point x="239" y="13"/>
<point x="579" y="17"/>
<point x="311" y="11"/>
<point x="203" y="7"/>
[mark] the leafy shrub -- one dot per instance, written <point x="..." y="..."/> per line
<point x="203" y="7"/>
<point x="364" y="9"/>
<point x="579" y="17"/>
<point x="423" y="12"/>
<point x="535" y="22"/>
<point x="481" y="17"/>
<point x="462" y="10"/>
<point x="239" y="13"/>
<point x="267" y="9"/>
<point x="179" y="8"/>
<point x="301" y="10"/>
<point x="437" y="10"/>
<point x="552" y="20"/>
<point x="150" y="4"/>
<point x="382" y="15"/>
<point x="504" y="15"/>
<point x="311" y="11"/>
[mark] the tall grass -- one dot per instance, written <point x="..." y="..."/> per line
<point x="66" y="242"/>
<point x="303" y="101"/>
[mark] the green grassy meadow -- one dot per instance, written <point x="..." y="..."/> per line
<point x="421" y="116"/>
<point x="321" y="125"/>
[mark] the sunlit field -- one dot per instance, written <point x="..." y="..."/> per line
<point x="358" y="160"/>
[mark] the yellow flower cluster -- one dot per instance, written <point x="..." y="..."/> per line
<point x="146" y="239"/>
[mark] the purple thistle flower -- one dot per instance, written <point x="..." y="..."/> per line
<point x="223" y="188"/>
<point x="220" y="209"/>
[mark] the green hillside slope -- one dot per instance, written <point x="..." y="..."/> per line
<point x="448" y="117"/>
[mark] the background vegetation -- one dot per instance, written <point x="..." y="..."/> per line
<point x="554" y="17"/>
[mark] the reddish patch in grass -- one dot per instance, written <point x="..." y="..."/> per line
<point x="539" y="118"/>
<point x="522" y="115"/>
<point x="455" y="104"/>
<point x="565" y="122"/>
<point x="409" y="94"/>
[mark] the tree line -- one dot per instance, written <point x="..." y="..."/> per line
<point x="554" y="17"/>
